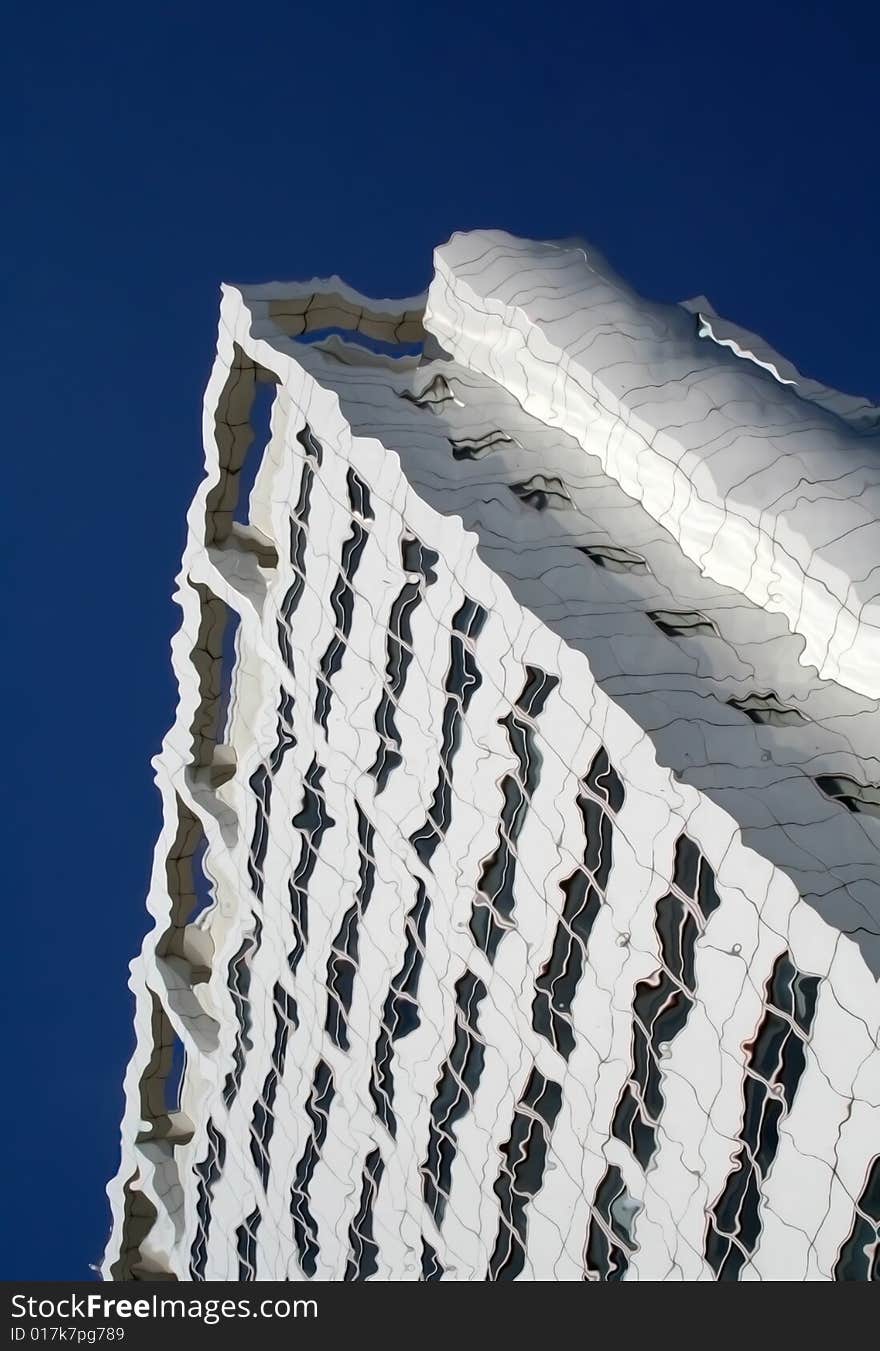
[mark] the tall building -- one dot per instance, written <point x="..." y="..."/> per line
<point x="517" y="902"/>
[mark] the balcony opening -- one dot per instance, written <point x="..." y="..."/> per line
<point x="191" y="894"/>
<point x="434" y="396"/>
<point x="242" y="430"/>
<point x="683" y="623"/>
<point x="260" y="419"/>
<point x="326" y="313"/>
<point x="861" y="798"/>
<point x="475" y="447"/>
<point x="615" y="559"/>
<point x="161" y="1084"/>
<point x="767" y="710"/>
<point x="542" y="491"/>
<point x="377" y="346"/>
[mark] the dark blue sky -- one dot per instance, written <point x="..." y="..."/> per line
<point x="150" y="152"/>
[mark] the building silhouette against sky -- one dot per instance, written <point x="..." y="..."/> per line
<point x="517" y="904"/>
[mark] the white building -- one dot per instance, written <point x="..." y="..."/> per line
<point x="517" y="904"/>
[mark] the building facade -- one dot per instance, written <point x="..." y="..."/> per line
<point x="516" y="912"/>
